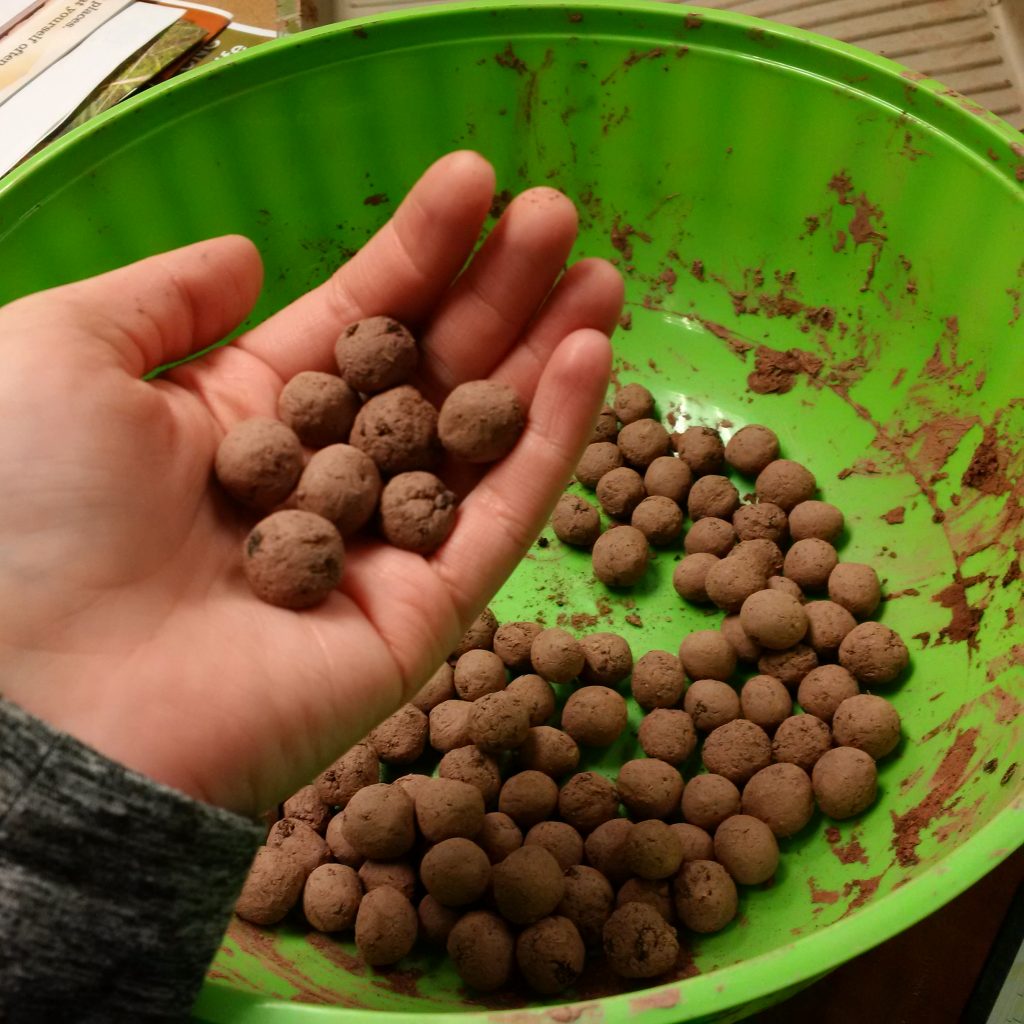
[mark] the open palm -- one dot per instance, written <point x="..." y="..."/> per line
<point x="124" y="616"/>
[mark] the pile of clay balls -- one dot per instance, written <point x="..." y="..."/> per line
<point x="376" y="442"/>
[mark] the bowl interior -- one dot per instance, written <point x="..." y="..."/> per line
<point x="810" y="240"/>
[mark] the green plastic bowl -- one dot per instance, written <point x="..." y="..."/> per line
<point x="763" y="190"/>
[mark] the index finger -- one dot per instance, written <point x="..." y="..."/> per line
<point x="402" y="271"/>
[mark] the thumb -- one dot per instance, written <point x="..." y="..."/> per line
<point x="163" y="308"/>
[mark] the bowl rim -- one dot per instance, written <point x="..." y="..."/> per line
<point x="960" y="112"/>
<point x="727" y="988"/>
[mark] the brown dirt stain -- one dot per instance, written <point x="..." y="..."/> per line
<point x="948" y="777"/>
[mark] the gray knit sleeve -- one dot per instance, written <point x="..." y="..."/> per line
<point x="114" y="890"/>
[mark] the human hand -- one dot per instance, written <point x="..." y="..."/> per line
<point x="125" y="619"/>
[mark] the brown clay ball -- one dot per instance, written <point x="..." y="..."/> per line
<point x="785" y="483"/>
<point x="656" y="893"/>
<point x="417" y="512"/>
<point x="258" y="462"/>
<point x="449" y="725"/>
<point x="773" y="619"/>
<point x="562" y="841"/>
<point x="479" y="635"/>
<point x="527" y="885"/>
<point x="781" y="796"/>
<point x="271" y="888"/>
<point x="379" y="822"/>
<point x="705" y="895"/>
<point x="293" y="559"/>
<point x="436" y="921"/>
<point x="868" y="723"/>
<point x="470" y="764"/>
<point x="659" y="519"/>
<point x="801" y="740"/>
<point x="305" y="805"/>
<point x="809" y="563"/>
<point x="606" y="426"/>
<point x="482" y="950"/>
<point x="711" y="537"/>
<point x="399" y="875"/>
<point x="455" y="872"/>
<point x="652" y="850"/>
<point x="711" y="703"/>
<point x="398" y="430"/>
<point x="874" y="653"/>
<point x="695" y="843"/>
<point x="605" y="849"/>
<point x="549" y="750"/>
<point x="319" y="407"/>
<point x="481" y="421"/>
<point x="633" y="402"/>
<point x="765" y="701"/>
<point x="550" y="955"/>
<point x="691" y="574"/>
<point x="536" y="694"/>
<point x="597" y="459"/>
<point x="411" y="784"/>
<point x="669" y="477"/>
<point x="732" y="580"/>
<point x="790" y="665"/>
<point x="746" y="847"/>
<point x="643" y="441"/>
<point x="331" y="898"/>
<point x="639" y="943"/>
<point x="386" y="926"/>
<point x="658" y="680"/>
<point x="845" y="782"/>
<point x="828" y="624"/>
<point x="478" y="673"/>
<point x="594" y="716"/>
<point x="649" y="788"/>
<point x="498" y="836"/>
<point x="668" y="735"/>
<point x="620" y="491"/>
<point x="588" y="902"/>
<point x="737" y="750"/>
<point x="620" y="556"/>
<point x="855" y="586"/>
<point x="402" y="737"/>
<point x="438" y="688"/>
<point x="786" y="586"/>
<point x="342" y="484"/>
<point x="708" y="800"/>
<point x="714" y="496"/>
<point x="512" y="643"/>
<point x="556" y="655"/>
<point x="528" y="797"/>
<point x="499" y="721"/>
<point x="575" y="521"/>
<point x="607" y="659"/>
<point x="586" y="801"/>
<point x="701" y="448"/>
<point x="706" y="654"/>
<point x="449" y="808"/>
<point x="816" y="519"/>
<point x="746" y="649"/>
<point x="375" y="354"/>
<point x="751" y="448"/>
<point x="762" y="552"/>
<point x="763" y="521"/>
<point x="352" y="771"/>
<point x="824" y="688"/>
<point x="341" y="849"/>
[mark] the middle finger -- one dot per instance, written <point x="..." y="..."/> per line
<point x="486" y="310"/>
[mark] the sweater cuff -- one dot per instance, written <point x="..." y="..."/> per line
<point x="114" y="890"/>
